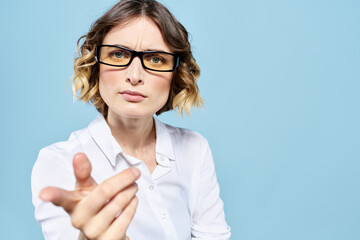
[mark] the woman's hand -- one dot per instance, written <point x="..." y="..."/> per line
<point x="99" y="211"/>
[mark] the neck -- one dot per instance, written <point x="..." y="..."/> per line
<point x="133" y="134"/>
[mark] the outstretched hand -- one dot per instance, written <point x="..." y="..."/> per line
<point x="99" y="211"/>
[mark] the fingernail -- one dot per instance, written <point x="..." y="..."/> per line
<point x="136" y="172"/>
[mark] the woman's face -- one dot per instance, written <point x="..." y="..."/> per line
<point x="134" y="91"/>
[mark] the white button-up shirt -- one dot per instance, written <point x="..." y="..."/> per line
<point x="179" y="200"/>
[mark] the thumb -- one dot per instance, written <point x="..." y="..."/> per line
<point x="82" y="171"/>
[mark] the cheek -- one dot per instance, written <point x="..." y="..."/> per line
<point x="163" y="84"/>
<point x="162" y="90"/>
<point x="165" y="87"/>
<point x="108" y="81"/>
<point x="109" y="77"/>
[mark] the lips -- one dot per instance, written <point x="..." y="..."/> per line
<point x="132" y="96"/>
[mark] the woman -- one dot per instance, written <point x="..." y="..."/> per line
<point x="134" y="177"/>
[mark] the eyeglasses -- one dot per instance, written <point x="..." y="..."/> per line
<point x="121" y="57"/>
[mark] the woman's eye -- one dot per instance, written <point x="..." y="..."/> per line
<point x="117" y="54"/>
<point x="156" y="60"/>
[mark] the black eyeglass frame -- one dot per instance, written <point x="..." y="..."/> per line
<point x="133" y="55"/>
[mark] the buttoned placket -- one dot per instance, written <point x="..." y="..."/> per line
<point x="154" y="198"/>
<point x="147" y="182"/>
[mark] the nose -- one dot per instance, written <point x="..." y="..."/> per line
<point x="135" y="72"/>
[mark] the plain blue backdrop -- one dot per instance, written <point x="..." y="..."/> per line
<point x="280" y="81"/>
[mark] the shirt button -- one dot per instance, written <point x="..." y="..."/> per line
<point x="161" y="158"/>
<point x="163" y="216"/>
<point x="151" y="187"/>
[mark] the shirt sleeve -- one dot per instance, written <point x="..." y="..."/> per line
<point x="208" y="220"/>
<point x="52" y="169"/>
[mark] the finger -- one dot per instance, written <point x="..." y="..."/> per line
<point x="118" y="228"/>
<point x="82" y="171"/>
<point x="61" y="197"/>
<point x="108" y="213"/>
<point x="106" y="191"/>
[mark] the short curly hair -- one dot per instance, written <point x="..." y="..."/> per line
<point x="184" y="92"/>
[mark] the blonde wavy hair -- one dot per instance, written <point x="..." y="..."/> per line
<point x="184" y="92"/>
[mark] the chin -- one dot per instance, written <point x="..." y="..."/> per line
<point x="135" y="113"/>
<point x="136" y="110"/>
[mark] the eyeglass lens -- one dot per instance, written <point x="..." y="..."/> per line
<point x="121" y="57"/>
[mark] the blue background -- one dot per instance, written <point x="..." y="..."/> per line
<point x="281" y="84"/>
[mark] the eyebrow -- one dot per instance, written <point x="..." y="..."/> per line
<point x="145" y="50"/>
<point x="154" y="49"/>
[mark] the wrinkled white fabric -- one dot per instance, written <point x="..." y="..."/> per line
<point x="179" y="200"/>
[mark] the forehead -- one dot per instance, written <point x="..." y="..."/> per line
<point x="139" y="34"/>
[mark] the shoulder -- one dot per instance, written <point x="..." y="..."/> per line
<point x="63" y="149"/>
<point x="55" y="161"/>
<point x="77" y="141"/>
<point x="184" y="135"/>
<point x="186" y="144"/>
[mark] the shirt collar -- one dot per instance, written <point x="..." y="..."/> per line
<point x="101" y="134"/>
<point x="163" y="141"/>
